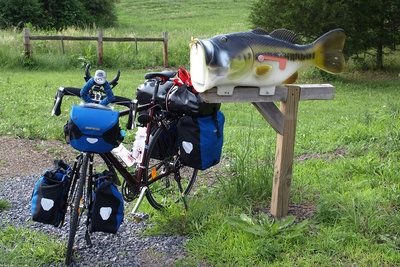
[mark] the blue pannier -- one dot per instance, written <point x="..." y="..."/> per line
<point x="93" y="129"/>
<point x="201" y="139"/>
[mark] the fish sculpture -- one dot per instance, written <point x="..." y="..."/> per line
<point x="258" y="59"/>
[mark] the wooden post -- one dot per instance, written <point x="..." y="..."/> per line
<point x="27" y="42"/>
<point x="284" y="154"/>
<point x="62" y="45"/>
<point x="100" y="48"/>
<point x="165" y="51"/>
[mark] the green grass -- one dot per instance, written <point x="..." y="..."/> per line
<point x="22" y="247"/>
<point x="4" y="204"/>
<point x="356" y="195"/>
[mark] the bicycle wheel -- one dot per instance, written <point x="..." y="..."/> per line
<point x="75" y="208"/>
<point x="165" y="191"/>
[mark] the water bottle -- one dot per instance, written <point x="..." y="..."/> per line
<point x="138" y="145"/>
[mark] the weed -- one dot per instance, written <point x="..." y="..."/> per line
<point x="4" y="204"/>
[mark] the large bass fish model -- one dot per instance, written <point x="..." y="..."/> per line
<point x="258" y="59"/>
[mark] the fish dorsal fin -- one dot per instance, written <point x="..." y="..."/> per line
<point x="259" y="31"/>
<point x="284" y="35"/>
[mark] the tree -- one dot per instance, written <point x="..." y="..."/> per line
<point x="102" y="13"/>
<point x="57" y="14"/>
<point x="368" y="24"/>
<point x="17" y="12"/>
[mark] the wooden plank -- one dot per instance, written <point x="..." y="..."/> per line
<point x="284" y="154"/>
<point x="244" y="94"/>
<point x="317" y="92"/>
<point x="59" y="37"/>
<point x="271" y="114"/>
<point x="251" y="94"/>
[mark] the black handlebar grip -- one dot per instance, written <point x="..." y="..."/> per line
<point x="57" y="102"/>
<point x="59" y="97"/>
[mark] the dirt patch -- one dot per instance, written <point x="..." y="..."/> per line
<point x="21" y="157"/>
<point x="302" y="212"/>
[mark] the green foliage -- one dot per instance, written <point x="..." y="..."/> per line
<point x="17" y="12"/>
<point x="274" y="233"/>
<point x="23" y="247"/>
<point x="4" y="204"/>
<point x="368" y="24"/>
<point x="57" y="14"/>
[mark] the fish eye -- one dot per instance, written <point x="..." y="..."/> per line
<point x="224" y="39"/>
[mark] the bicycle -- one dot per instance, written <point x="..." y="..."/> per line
<point x="160" y="176"/>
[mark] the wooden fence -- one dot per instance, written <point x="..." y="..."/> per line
<point x="99" y="38"/>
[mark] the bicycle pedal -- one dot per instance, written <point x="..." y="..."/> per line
<point x="140" y="216"/>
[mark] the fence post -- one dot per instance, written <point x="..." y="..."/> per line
<point x="165" y="34"/>
<point x="27" y="42"/>
<point x="100" y="48"/>
<point x="62" y="45"/>
<point x="284" y="154"/>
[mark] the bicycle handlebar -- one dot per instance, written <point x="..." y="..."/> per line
<point x="59" y="97"/>
<point x="62" y="91"/>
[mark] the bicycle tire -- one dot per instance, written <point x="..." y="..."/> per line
<point x="165" y="191"/>
<point x="75" y="209"/>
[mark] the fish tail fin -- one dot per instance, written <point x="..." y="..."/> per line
<point x="329" y="51"/>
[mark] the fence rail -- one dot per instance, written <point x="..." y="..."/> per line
<point x="99" y="38"/>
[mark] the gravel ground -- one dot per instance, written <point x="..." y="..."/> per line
<point x="21" y="164"/>
<point x="126" y="248"/>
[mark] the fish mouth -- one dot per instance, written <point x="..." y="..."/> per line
<point x="207" y="63"/>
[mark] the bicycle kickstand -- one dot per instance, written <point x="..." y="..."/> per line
<point x="177" y="178"/>
<point x="142" y="192"/>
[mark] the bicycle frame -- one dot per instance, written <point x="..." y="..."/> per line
<point x="136" y="182"/>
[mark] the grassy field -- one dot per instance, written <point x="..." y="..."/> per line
<point x="356" y="193"/>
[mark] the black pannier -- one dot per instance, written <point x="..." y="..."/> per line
<point x="48" y="203"/>
<point x="163" y="148"/>
<point x="107" y="211"/>
<point x="144" y="92"/>
<point x="182" y="99"/>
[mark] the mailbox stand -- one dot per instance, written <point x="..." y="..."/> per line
<point x="283" y="121"/>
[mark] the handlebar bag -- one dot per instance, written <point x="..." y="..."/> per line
<point x="107" y="211"/>
<point x="145" y="91"/>
<point x="48" y="203"/>
<point x="93" y="129"/>
<point x="201" y="139"/>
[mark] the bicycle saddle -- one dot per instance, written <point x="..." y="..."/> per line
<point x="163" y="74"/>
